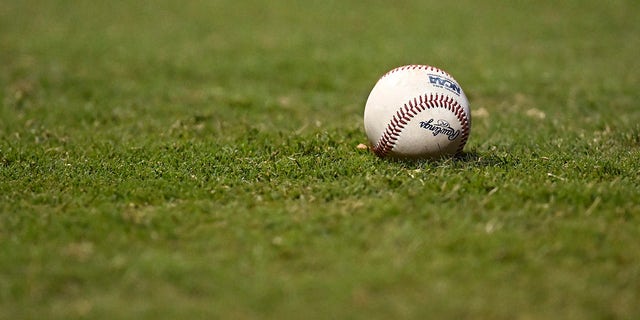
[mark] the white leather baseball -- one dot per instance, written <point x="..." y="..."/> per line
<point x="417" y="111"/>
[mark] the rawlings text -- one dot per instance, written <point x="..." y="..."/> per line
<point x="440" y="127"/>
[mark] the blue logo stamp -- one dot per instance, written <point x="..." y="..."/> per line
<point x="445" y="83"/>
<point x="440" y="127"/>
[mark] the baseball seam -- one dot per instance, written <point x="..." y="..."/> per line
<point x="417" y="67"/>
<point x="411" y="109"/>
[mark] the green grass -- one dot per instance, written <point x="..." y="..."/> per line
<point x="198" y="159"/>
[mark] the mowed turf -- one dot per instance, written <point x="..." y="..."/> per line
<point x="197" y="159"/>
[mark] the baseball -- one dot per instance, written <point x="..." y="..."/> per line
<point x="417" y="112"/>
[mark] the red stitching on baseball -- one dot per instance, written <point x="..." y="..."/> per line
<point x="412" y="108"/>
<point x="417" y="67"/>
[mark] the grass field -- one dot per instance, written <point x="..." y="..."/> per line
<point x="197" y="159"/>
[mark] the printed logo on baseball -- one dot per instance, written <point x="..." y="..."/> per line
<point x="419" y="112"/>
